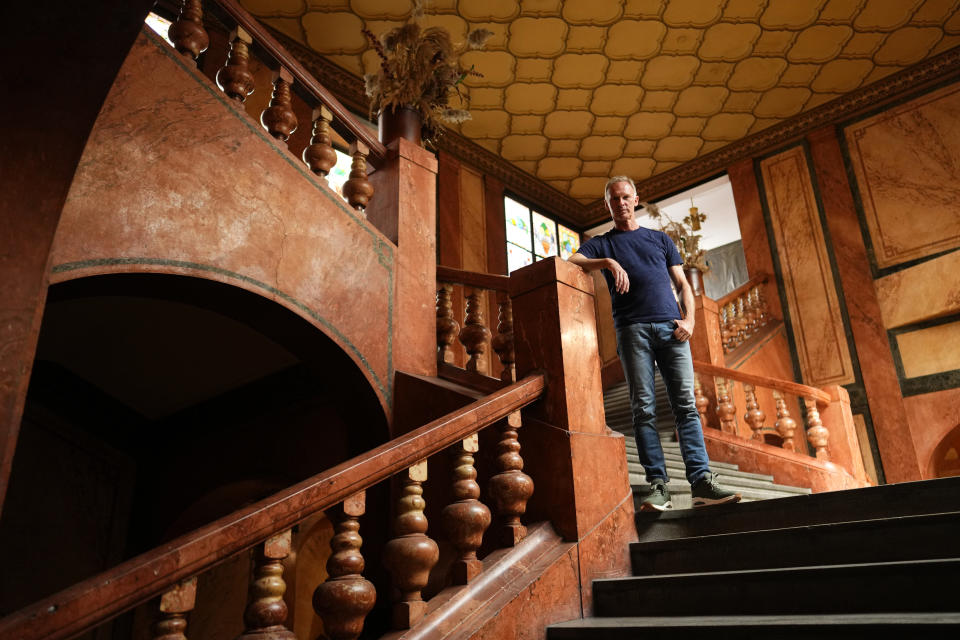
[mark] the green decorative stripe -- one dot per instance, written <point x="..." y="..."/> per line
<point x="384" y="249"/>
<point x="181" y="264"/>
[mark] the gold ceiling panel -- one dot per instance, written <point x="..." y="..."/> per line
<point x="572" y="90"/>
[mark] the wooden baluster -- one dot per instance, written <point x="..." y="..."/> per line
<point x="279" y="118"/>
<point x="358" y="190"/>
<point x="750" y="317"/>
<point x="320" y="155"/>
<point x="474" y="334"/>
<point x="346" y="597"/>
<point x="465" y="520"/>
<point x="726" y="410"/>
<point x="503" y="342"/>
<point x="174" y="605"/>
<point x="761" y="303"/>
<point x="266" y="611"/>
<point x="410" y="555"/>
<point x="817" y="434"/>
<point x="235" y="77"/>
<point x="725" y="329"/>
<point x="732" y="326"/>
<point x="743" y="323"/>
<point x="187" y="33"/>
<point x="510" y="488"/>
<point x="785" y="424"/>
<point x="702" y="402"/>
<point x="754" y="416"/>
<point x="447" y="326"/>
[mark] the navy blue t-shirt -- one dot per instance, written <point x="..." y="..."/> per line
<point x="646" y="256"/>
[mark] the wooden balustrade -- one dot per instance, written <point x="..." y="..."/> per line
<point x="346" y="597"/>
<point x="190" y="38"/>
<point x="171" y="623"/>
<point x="475" y="335"/>
<point x="778" y="390"/>
<point x="743" y="312"/>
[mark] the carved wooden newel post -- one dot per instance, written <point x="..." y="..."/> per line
<point x="465" y="520"/>
<point x="266" y="611"/>
<point x="411" y="554"/>
<point x="346" y="597"/>
<point x="174" y="605"/>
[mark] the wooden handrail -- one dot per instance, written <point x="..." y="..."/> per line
<point x="793" y="388"/>
<point x="108" y="594"/>
<point x="343" y="118"/>
<point x="473" y="278"/>
<point x="742" y="289"/>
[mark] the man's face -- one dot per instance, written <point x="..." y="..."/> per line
<point x="621" y="201"/>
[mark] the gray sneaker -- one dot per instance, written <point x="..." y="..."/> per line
<point x="706" y="492"/>
<point x="658" y="499"/>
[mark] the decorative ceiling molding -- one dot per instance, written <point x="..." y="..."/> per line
<point x="931" y="71"/>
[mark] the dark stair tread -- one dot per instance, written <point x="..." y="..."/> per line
<point x="913" y="585"/>
<point x="847" y="625"/>
<point x="868" y="503"/>
<point x="924" y="536"/>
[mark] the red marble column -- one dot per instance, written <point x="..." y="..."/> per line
<point x="75" y="50"/>
<point x="890" y="423"/>
<point x="577" y="464"/>
<point x="707" y="346"/>
<point x="844" y="444"/>
<point x="753" y="230"/>
<point x="404" y="209"/>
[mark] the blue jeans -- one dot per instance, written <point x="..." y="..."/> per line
<point x="639" y="346"/>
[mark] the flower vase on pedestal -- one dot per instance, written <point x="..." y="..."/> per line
<point x="695" y="278"/>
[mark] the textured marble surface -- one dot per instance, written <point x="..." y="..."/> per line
<point x="177" y="179"/>
<point x="927" y="290"/>
<point x="907" y="166"/>
<point x="932" y="417"/>
<point x="807" y="277"/>
<point x="931" y="350"/>
<point x="753" y="230"/>
<point x="877" y="368"/>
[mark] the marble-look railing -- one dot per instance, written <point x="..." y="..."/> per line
<point x="474" y="334"/>
<point x="786" y="396"/>
<point x="247" y="36"/>
<point x="744" y="312"/>
<point x="172" y="571"/>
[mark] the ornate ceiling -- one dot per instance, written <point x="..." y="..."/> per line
<point x="575" y="91"/>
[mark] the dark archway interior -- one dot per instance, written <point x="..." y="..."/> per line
<point x="148" y="394"/>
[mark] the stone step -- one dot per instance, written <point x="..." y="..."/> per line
<point x="920" y="537"/>
<point x="852" y="626"/>
<point x="909" y="586"/>
<point x="675" y="465"/>
<point x="851" y="505"/>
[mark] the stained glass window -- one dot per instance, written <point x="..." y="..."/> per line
<point x="569" y="241"/>
<point x="545" y="236"/>
<point x="533" y="236"/>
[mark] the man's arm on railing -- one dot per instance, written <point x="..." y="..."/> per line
<point x="621" y="281"/>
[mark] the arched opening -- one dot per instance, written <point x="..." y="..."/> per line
<point x="150" y="392"/>
<point x="945" y="460"/>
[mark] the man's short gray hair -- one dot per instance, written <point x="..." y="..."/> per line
<point x="615" y="179"/>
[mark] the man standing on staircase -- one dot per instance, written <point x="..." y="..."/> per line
<point x="638" y="265"/>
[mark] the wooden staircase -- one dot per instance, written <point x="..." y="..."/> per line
<point x="844" y="564"/>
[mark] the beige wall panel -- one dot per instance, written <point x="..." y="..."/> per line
<point x="808" y="280"/>
<point x="928" y="290"/>
<point x="907" y="166"/>
<point x="932" y="350"/>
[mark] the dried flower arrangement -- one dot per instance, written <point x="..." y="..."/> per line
<point x="682" y="234"/>
<point x="419" y="69"/>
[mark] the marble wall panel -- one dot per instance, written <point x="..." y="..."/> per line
<point x="931" y="350"/>
<point x="805" y="266"/>
<point x="928" y="290"/>
<point x="907" y="166"/>
<point x="190" y="185"/>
